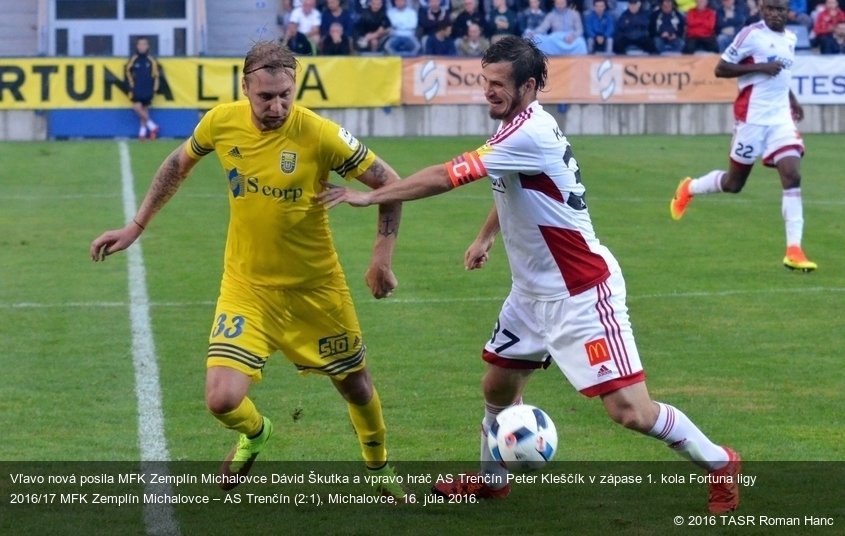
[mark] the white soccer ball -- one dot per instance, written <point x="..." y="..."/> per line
<point x="523" y="438"/>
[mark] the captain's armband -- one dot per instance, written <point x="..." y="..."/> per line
<point x="465" y="168"/>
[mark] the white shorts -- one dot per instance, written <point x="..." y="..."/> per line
<point x="772" y="142"/>
<point x="588" y="335"/>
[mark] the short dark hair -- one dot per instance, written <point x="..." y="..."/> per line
<point x="526" y="59"/>
<point x="271" y="55"/>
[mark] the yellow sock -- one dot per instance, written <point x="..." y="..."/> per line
<point x="244" y="418"/>
<point x="369" y="425"/>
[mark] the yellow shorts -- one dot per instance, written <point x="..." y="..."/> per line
<point x="316" y="329"/>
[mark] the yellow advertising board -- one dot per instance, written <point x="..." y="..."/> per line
<point x="577" y="80"/>
<point x="54" y="83"/>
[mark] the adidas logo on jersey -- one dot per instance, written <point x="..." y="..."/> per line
<point x="235" y="153"/>
<point x="603" y="371"/>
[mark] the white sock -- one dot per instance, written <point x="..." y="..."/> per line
<point x="151" y="124"/>
<point x="496" y="475"/>
<point x="684" y="437"/>
<point x="142" y="132"/>
<point x="793" y="216"/>
<point x="710" y="183"/>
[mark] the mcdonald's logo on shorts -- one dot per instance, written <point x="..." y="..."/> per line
<point x="597" y="351"/>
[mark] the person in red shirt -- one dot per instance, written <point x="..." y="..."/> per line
<point x="826" y="22"/>
<point x="701" y="29"/>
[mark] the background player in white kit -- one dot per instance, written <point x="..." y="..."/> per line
<point x="567" y="302"/>
<point x="761" y="56"/>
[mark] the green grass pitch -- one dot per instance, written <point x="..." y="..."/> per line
<point x="750" y="351"/>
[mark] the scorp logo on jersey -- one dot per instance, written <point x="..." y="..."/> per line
<point x="597" y="351"/>
<point x="288" y="161"/>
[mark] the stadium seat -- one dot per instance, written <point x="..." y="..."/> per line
<point x="803" y="35"/>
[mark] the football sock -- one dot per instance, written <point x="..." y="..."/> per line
<point x="793" y="216"/>
<point x="244" y="418"/>
<point x="710" y="183"/>
<point x="496" y="475"/>
<point x="368" y="422"/>
<point x="151" y="124"/>
<point x="684" y="437"/>
<point x="142" y="132"/>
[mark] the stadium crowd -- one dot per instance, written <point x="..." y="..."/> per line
<point x="559" y="27"/>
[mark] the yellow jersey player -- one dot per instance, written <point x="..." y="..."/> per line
<point x="283" y="287"/>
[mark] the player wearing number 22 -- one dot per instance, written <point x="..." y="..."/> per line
<point x="283" y="287"/>
<point x="567" y="300"/>
<point x="766" y="110"/>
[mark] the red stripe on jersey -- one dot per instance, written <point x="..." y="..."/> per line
<point x="742" y="102"/>
<point x="613" y="385"/>
<point x="770" y="159"/>
<point x="541" y="183"/>
<point x="612" y="331"/>
<point x="514" y="125"/>
<point x="743" y="34"/>
<point x="510" y="363"/>
<point x="580" y="268"/>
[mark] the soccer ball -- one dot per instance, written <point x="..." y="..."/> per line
<point x="522" y="439"/>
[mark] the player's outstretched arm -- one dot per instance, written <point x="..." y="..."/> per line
<point x="167" y="180"/>
<point x="477" y="254"/>
<point x="427" y="182"/>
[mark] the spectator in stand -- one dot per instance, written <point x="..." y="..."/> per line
<point x="799" y="14"/>
<point x="684" y="5"/>
<point x="632" y="29"/>
<point x="332" y="13"/>
<point x="402" y="40"/>
<point x="372" y="28"/>
<point x="440" y="42"/>
<point x="336" y="43"/>
<point x="469" y="14"/>
<point x="501" y="21"/>
<point x="667" y="27"/>
<point x="836" y="43"/>
<point x="609" y="5"/>
<point x="473" y="44"/>
<point x="730" y="18"/>
<point x="826" y="22"/>
<point x="530" y="18"/>
<point x="307" y="19"/>
<point x="296" y="41"/>
<point x="283" y="16"/>
<point x="753" y="12"/>
<point x="599" y="26"/>
<point x="701" y="29"/>
<point x="430" y="17"/>
<point x="561" y="33"/>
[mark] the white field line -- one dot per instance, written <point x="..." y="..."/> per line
<point x="159" y="519"/>
<point x="422" y="301"/>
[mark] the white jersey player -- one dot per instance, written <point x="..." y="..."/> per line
<point x="765" y="110"/>
<point x="567" y="302"/>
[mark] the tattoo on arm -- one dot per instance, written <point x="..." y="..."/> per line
<point x="167" y="180"/>
<point x="377" y="174"/>
<point x="387" y="223"/>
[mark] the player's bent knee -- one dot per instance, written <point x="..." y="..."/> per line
<point x="220" y="401"/>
